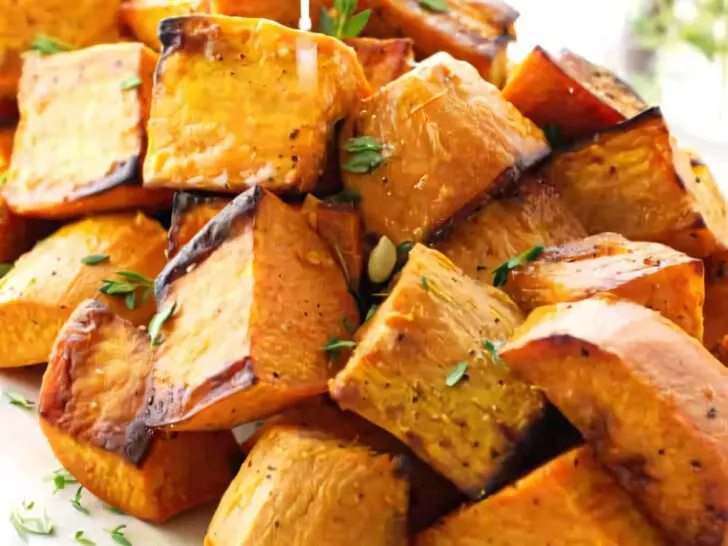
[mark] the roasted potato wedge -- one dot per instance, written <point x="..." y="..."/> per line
<point x="342" y="490"/>
<point x="476" y="31"/>
<point x="47" y="283"/>
<point x="570" y="500"/>
<point x="716" y="299"/>
<point x="383" y="60"/>
<point x="190" y="213"/>
<point x="283" y="122"/>
<point x="649" y="274"/>
<point x="630" y="179"/>
<point x="142" y="17"/>
<point x="257" y="296"/>
<point x="90" y="402"/>
<point x="449" y="139"/>
<point x="651" y="400"/>
<point x="65" y="165"/>
<point x="570" y="93"/>
<point x="530" y="213"/>
<point x="403" y="377"/>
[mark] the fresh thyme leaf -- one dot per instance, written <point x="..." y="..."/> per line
<point x="362" y="144"/>
<point x="45" y="45"/>
<point x="131" y="83"/>
<point x="128" y="288"/>
<point x="344" y="196"/>
<point x="5" y="269"/>
<point x="342" y="264"/>
<point x="155" y="325"/>
<point x="366" y="154"/>
<point x="553" y="135"/>
<point x="492" y="349"/>
<point x="78" y="537"/>
<point x="456" y="373"/>
<point x="3" y="178"/>
<point x="355" y="24"/>
<point x="341" y="22"/>
<point x="114" y="510"/>
<point x="334" y="346"/>
<point x="17" y="399"/>
<point x="424" y="283"/>
<point x="327" y="24"/>
<point x="117" y="288"/>
<point x="28" y="505"/>
<point x="435" y="5"/>
<point x="93" y="259"/>
<point x="26" y="523"/>
<point x="61" y="478"/>
<point x="371" y="312"/>
<point x="130" y="300"/>
<point x="76" y="502"/>
<point x="117" y="535"/>
<point x="141" y="279"/>
<point x="500" y="274"/>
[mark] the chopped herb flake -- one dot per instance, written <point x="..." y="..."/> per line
<point x="93" y="259"/>
<point x="435" y="5"/>
<point x="17" y="399"/>
<point x="492" y="349"/>
<point x="366" y="154"/>
<point x="500" y="274"/>
<point x="334" y="346"/>
<point x="78" y="537"/>
<point x="61" y="478"/>
<point x="424" y="283"/>
<point x="456" y="373"/>
<point x="45" y="45"/>
<point x="155" y="325"/>
<point x="3" y="178"/>
<point x="117" y="535"/>
<point x="370" y="313"/>
<point x="128" y="288"/>
<point x="341" y="22"/>
<point x="553" y="135"/>
<point x="26" y="523"/>
<point x="76" y="502"/>
<point x="114" y="510"/>
<point x="344" y="196"/>
<point x="5" y="269"/>
<point x="131" y="83"/>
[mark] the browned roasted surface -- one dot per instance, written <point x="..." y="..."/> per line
<point x="651" y="400"/>
<point x="190" y="213"/>
<point x="450" y="138"/>
<point x="715" y="312"/>
<point x="434" y="319"/>
<point x="47" y="283"/>
<point x="258" y="119"/>
<point x="570" y="93"/>
<point x="251" y="319"/>
<point x="383" y="60"/>
<point x="530" y="214"/>
<point x="631" y="179"/>
<point x="649" y="274"/>
<point x="66" y="164"/>
<point x="570" y="500"/>
<point x="92" y="393"/>
<point x="143" y="16"/>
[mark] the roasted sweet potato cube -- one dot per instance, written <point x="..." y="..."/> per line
<point x="90" y="407"/>
<point x="403" y="375"/>
<point x="570" y="93"/>
<point x="630" y="179"/>
<point x="284" y="114"/>
<point x="142" y="17"/>
<point x="530" y="213"/>
<point x="257" y="297"/>
<point x="305" y="486"/>
<point x="65" y="164"/>
<point x="47" y="283"/>
<point x="716" y="299"/>
<point x="651" y="400"/>
<point x="449" y="139"/>
<point x="190" y="213"/>
<point x="383" y="60"/>
<point x="570" y="500"/>
<point x="475" y="31"/>
<point x="649" y="274"/>
<point x="284" y="12"/>
<point x="339" y="225"/>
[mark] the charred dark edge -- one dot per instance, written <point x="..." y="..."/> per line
<point x="128" y="172"/>
<point x="171" y="34"/>
<point x="697" y="162"/>
<point x="508" y="14"/>
<point x="183" y="202"/>
<point x="139" y="438"/>
<point x="207" y="240"/>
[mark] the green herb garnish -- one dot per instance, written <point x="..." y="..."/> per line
<point x="78" y="537"/>
<point x="5" y="269"/>
<point x="344" y="196"/>
<point x="131" y="83"/>
<point x="117" y="535"/>
<point x="61" y="478"/>
<point x="365" y="155"/>
<point x="492" y="349"/>
<point x="26" y="523"/>
<point x="3" y="178"/>
<point x="424" y="283"/>
<point x="155" y="325"/>
<point x="76" y="502"/>
<point x="500" y="274"/>
<point x="435" y="5"/>
<point x="45" y="45"/>
<point x="334" y="346"/>
<point x="456" y="373"/>
<point x="552" y="132"/>
<point x="17" y="399"/>
<point x="128" y="288"/>
<point x="93" y="259"/>
<point x="371" y="312"/>
<point x="341" y="21"/>
<point x="114" y="510"/>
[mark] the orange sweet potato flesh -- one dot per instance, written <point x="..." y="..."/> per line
<point x="720" y="351"/>
<point x="190" y="213"/>
<point x="213" y="65"/>
<point x="450" y="140"/>
<point x="65" y="165"/>
<point x="383" y="60"/>
<point x="475" y="31"/>
<point x="47" y="283"/>
<point x="716" y="299"/>
<point x="305" y="486"/>
<point x="339" y="225"/>
<point x="651" y="400"/>
<point x="630" y="179"/>
<point x="92" y="394"/>
<point x="570" y="500"/>
<point x="397" y="375"/>
<point x="571" y="93"/>
<point x="246" y="339"/>
<point x="531" y="213"/>
<point x="649" y="274"/>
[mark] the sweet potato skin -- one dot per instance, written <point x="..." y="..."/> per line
<point x="649" y="399"/>
<point x="342" y="491"/>
<point x="252" y="61"/>
<point x="570" y="500"/>
<point x="397" y="375"/>
<point x="142" y="17"/>
<point x="649" y="274"/>
<point x="224" y="363"/>
<point x="571" y="93"/>
<point x="383" y="60"/>
<point x="431" y="173"/>
<point x="529" y="214"/>
<point x="92" y="392"/>
<point x="47" y="283"/>
<point x="630" y="179"/>
<point x="190" y="213"/>
<point x="108" y="143"/>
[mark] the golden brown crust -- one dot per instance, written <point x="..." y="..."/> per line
<point x="190" y="213"/>
<point x="650" y="400"/>
<point x="142" y="17"/>
<point x="383" y="60"/>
